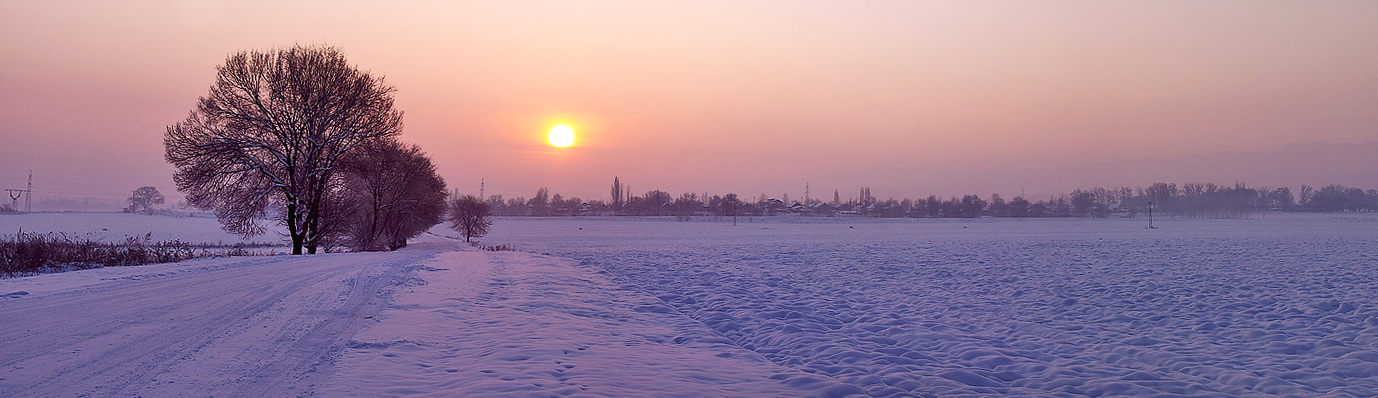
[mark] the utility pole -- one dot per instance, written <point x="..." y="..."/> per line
<point x="14" y="197"/>
<point x="27" y="193"/>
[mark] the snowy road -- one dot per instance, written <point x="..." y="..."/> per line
<point x="222" y="327"/>
<point x="435" y="319"/>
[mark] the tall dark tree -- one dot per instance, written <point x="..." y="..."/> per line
<point x="1334" y="198"/>
<point x="972" y="206"/>
<point x="656" y="203"/>
<point x="390" y="193"/>
<point x="1082" y="203"/>
<point x="1281" y="198"/>
<point x="618" y="197"/>
<point x="998" y="207"/>
<point x="143" y="199"/>
<point x="540" y="204"/>
<point x="267" y="137"/>
<point x="1019" y="207"/>
<point x="728" y="205"/>
<point x="685" y="206"/>
<point x="470" y="216"/>
<point x="1306" y="192"/>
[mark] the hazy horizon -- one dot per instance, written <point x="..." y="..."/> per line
<point x="909" y="98"/>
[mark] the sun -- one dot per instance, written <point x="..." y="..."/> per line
<point x="561" y="136"/>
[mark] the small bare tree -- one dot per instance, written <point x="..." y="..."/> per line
<point x="470" y="216"/>
<point x="268" y="136"/>
<point x="143" y="199"/>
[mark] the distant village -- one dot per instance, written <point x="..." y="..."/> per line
<point x="1190" y="200"/>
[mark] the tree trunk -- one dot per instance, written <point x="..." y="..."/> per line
<point x="313" y="219"/>
<point x="293" y="229"/>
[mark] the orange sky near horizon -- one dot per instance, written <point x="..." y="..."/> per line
<point x="911" y="98"/>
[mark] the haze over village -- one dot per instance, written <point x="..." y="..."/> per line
<point x="910" y="99"/>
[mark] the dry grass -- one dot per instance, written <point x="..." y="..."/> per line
<point x="30" y="253"/>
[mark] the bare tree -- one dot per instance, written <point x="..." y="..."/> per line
<point x="618" y="198"/>
<point x="540" y="204"/>
<point x="269" y="135"/>
<point x="143" y="199"/>
<point x="389" y="193"/>
<point x="470" y="216"/>
<point x="1082" y="202"/>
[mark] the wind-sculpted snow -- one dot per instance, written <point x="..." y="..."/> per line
<point x="1199" y="308"/>
<point x="515" y="325"/>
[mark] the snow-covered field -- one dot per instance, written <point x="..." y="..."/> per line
<point x="1279" y="306"/>
<point x="1284" y="305"/>
<point x="195" y="228"/>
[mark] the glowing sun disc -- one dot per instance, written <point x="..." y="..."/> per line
<point x="561" y="136"/>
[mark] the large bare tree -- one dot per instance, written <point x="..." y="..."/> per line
<point x="267" y="137"/>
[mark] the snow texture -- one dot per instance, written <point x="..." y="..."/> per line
<point x="516" y="325"/>
<point x="1262" y="307"/>
<point x="1277" y="306"/>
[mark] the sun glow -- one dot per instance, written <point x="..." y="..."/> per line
<point x="561" y="136"/>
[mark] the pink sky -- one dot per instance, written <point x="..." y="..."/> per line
<point x="909" y="98"/>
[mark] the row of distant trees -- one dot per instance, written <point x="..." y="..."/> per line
<point x="301" y="137"/>
<point x="1191" y="200"/>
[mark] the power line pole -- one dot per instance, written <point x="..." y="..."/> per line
<point x="27" y="193"/>
<point x="14" y="197"/>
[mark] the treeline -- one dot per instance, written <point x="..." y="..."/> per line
<point x="1190" y="200"/>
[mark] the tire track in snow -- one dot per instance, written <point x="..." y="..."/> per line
<point x="196" y="333"/>
<point x="324" y="341"/>
<point x="109" y="342"/>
